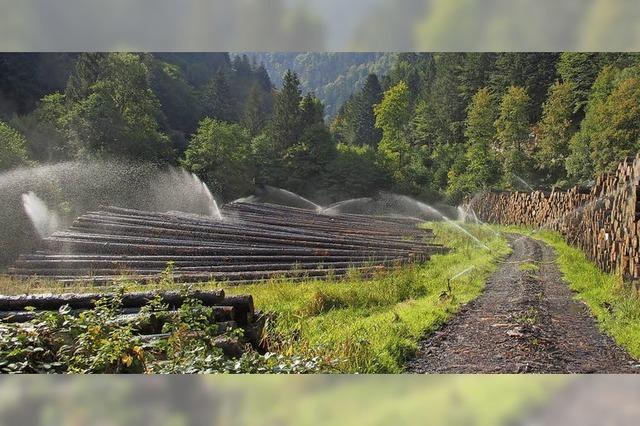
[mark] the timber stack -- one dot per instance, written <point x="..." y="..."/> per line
<point x="227" y="312"/>
<point x="602" y="220"/>
<point x="253" y="242"/>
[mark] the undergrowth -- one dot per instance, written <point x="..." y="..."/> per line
<point x="99" y="341"/>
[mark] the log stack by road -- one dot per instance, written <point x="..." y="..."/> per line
<point x="253" y="242"/>
<point x="601" y="220"/>
<point x="227" y="312"/>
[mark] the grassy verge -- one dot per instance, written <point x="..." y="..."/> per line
<point x="373" y="325"/>
<point x="616" y="305"/>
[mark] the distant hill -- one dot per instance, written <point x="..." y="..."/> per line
<point x="332" y="76"/>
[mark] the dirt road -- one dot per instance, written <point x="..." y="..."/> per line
<point x="526" y="321"/>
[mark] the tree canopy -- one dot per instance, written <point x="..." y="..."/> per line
<point x="437" y="126"/>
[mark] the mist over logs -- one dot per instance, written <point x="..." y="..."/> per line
<point x="253" y="242"/>
<point x="601" y="220"/>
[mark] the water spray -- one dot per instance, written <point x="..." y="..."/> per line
<point x="44" y="220"/>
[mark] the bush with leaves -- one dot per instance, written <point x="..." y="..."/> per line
<point x="100" y="340"/>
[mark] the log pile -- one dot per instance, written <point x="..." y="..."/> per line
<point x="601" y="220"/>
<point x="228" y="312"/>
<point x="252" y="242"/>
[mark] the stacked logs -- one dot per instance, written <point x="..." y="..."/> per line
<point x="252" y="242"/>
<point x="601" y="220"/>
<point x="227" y="312"/>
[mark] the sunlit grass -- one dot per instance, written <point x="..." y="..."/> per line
<point x="374" y="325"/>
<point x="528" y="267"/>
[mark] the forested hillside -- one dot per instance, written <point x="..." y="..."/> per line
<point x="333" y="77"/>
<point x="434" y="126"/>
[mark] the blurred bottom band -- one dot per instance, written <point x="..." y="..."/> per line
<point x="321" y="399"/>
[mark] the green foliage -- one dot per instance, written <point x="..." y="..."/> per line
<point x="98" y="341"/>
<point x="392" y="117"/>
<point x="311" y="111"/>
<point x="610" y="130"/>
<point x="620" y="116"/>
<point x="580" y="70"/>
<point x="355" y="172"/>
<point x="512" y="131"/>
<point x="217" y="99"/>
<point x="268" y="159"/>
<point x="117" y="116"/>
<point x="355" y="124"/>
<point x="44" y="129"/>
<point x="179" y="100"/>
<point x="534" y="72"/>
<point x="555" y="131"/>
<point x="220" y="153"/>
<point x="148" y="106"/>
<point x="286" y="124"/>
<point x="254" y="115"/>
<point x="12" y="147"/>
<point x="308" y="159"/>
<point x="478" y="169"/>
<point x="27" y="77"/>
<point x="332" y="76"/>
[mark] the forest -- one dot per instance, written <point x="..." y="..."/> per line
<point x="436" y="126"/>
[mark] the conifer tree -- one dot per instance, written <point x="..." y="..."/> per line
<point x="478" y="169"/>
<point x="217" y="99"/>
<point x="311" y="111"/>
<point x="364" y="122"/>
<point x="513" y="130"/>
<point x="555" y="131"/>
<point x="254" y="115"/>
<point x="286" y="124"/>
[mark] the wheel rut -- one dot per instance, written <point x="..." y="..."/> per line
<point x="526" y="321"/>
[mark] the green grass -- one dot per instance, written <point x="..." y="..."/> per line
<point x="614" y="303"/>
<point x="373" y="325"/>
<point x="528" y="267"/>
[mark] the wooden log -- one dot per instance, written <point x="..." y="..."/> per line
<point x="53" y="302"/>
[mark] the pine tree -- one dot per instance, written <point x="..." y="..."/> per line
<point x="555" y="131"/>
<point x="217" y="100"/>
<point x="580" y="70"/>
<point x="311" y="111"/>
<point x="262" y="78"/>
<point x="254" y="116"/>
<point x="513" y="130"/>
<point x="478" y="169"/>
<point x="286" y="123"/>
<point x="364" y="129"/>
<point x="88" y="68"/>
<point x="535" y="72"/>
<point x="580" y="164"/>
